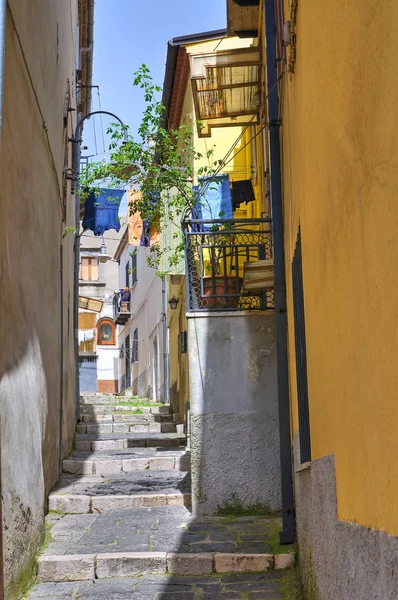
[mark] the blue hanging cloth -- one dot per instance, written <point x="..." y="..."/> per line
<point x="102" y="212"/>
<point x="214" y="197"/>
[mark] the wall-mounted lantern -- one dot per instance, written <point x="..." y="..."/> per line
<point x="173" y="302"/>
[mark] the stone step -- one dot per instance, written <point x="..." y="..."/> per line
<point x="166" y="539"/>
<point x="268" y="585"/>
<point x="110" y="399"/>
<point x="126" y="427"/>
<point x="104" y="408"/>
<point x="119" y="491"/>
<point x="126" y="460"/>
<point x="117" y="441"/>
<point x="124" y="416"/>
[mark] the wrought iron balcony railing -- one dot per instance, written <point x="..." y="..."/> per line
<point x="229" y="264"/>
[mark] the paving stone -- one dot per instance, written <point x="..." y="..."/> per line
<point x="108" y="466"/>
<point x="78" y="467"/>
<point x="69" y="503"/>
<point x="152" y="587"/>
<point x="190" y="564"/>
<point x="170" y="428"/>
<point x="162" y="462"/>
<point x="135" y="463"/>
<point x="129" y="564"/>
<point x="284" y="561"/>
<point x="227" y="563"/>
<point x="121" y="427"/>
<point x="66" y="568"/>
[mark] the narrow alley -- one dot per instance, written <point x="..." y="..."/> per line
<point x="198" y="307"/>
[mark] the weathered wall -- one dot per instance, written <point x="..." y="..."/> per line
<point x="32" y="202"/>
<point x="234" y="417"/>
<point x="341" y="126"/>
<point x="340" y="178"/>
<point x="340" y="559"/>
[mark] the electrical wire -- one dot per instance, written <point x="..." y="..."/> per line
<point x="101" y="121"/>
<point x="95" y="135"/>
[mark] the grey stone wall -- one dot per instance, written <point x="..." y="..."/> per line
<point x="234" y="411"/>
<point x="339" y="560"/>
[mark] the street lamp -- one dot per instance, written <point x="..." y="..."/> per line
<point x="76" y="155"/>
<point x="173" y="302"/>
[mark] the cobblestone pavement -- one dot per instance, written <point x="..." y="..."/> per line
<point x="160" y="529"/>
<point x="251" y="586"/>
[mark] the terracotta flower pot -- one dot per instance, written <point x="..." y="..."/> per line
<point x="221" y="296"/>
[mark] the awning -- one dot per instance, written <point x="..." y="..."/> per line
<point x="226" y="87"/>
<point x="91" y="304"/>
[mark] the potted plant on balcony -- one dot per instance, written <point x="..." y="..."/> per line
<point x="220" y="289"/>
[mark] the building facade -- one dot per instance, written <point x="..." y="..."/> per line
<point x="221" y="335"/>
<point x="337" y="94"/>
<point x="142" y="345"/>
<point x="98" y="350"/>
<point x="43" y="70"/>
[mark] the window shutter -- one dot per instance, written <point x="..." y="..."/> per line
<point x="84" y="269"/>
<point x="94" y="276"/>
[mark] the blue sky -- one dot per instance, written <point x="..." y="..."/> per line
<point x="131" y="32"/>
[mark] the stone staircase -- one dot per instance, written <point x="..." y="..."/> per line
<point x="120" y="526"/>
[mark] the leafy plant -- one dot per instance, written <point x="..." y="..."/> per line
<point x="163" y="162"/>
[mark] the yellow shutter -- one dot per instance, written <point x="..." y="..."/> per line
<point x="87" y="320"/>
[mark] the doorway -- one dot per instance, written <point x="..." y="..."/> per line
<point x="128" y="362"/>
<point x="155" y="369"/>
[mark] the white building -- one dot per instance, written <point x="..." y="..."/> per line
<point x="141" y="342"/>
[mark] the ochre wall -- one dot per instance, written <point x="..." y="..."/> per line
<point x="340" y="176"/>
<point x="33" y="149"/>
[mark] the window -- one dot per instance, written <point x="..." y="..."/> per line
<point x="89" y="269"/>
<point x="134" y="268"/>
<point x="128" y="274"/>
<point x="134" y="350"/>
<point x="301" y="354"/>
<point x="106" y="332"/>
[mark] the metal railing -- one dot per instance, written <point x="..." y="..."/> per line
<point x="217" y="257"/>
<point x="121" y="310"/>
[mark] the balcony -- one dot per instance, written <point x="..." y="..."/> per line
<point x="121" y="310"/>
<point x="229" y="265"/>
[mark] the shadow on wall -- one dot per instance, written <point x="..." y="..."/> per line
<point x="29" y="378"/>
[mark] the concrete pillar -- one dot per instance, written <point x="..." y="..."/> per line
<point x="234" y="411"/>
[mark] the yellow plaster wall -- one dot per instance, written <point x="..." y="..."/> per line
<point x="340" y="160"/>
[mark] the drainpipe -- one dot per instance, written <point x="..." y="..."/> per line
<point x="90" y="51"/>
<point x="3" y="18"/>
<point x="61" y="359"/>
<point x="288" y="524"/>
<point x="165" y="353"/>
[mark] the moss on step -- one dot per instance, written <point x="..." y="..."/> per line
<point x="236" y="508"/>
<point x="274" y="528"/>
<point x="137" y="403"/>
<point x="27" y="577"/>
